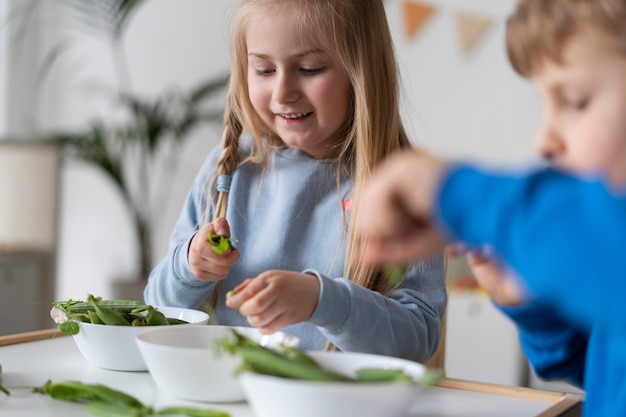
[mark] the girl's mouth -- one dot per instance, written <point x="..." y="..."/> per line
<point x="294" y="116"/>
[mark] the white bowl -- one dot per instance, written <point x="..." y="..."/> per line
<point x="115" y="348"/>
<point x="271" y="396"/>
<point x="183" y="361"/>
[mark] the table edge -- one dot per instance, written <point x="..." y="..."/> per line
<point x="14" y="339"/>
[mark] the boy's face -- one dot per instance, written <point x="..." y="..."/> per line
<point x="584" y="97"/>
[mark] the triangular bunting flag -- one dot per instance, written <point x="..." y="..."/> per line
<point x="471" y="28"/>
<point x="415" y="15"/>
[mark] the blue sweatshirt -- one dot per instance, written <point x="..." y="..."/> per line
<point x="290" y="218"/>
<point x="565" y="237"/>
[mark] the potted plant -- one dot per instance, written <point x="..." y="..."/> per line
<point x="142" y="145"/>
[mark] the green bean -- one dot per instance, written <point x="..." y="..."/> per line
<point x="75" y="391"/>
<point x="291" y="362"/>
<point x="191" y="412"/>
<point x="103" y="401"/>
<point x="108" y="315"/>
<point x="155" y="317"/>
<point x="81" y="306"/>
<point x="296" y="354"/>
<point x="219" y="243"/>
<point x="381" y="375"/>
<point x="101" y="409"/>
<point x="94" y="317"/>
<point x="267" y="361"/>
<point x="173" y="320"/>
<point x="3" y="389"/>
<point x="138" y="322"/>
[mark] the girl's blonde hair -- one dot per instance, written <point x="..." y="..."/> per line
<point x="538" y="29"/>
<point x="356" y="34"/>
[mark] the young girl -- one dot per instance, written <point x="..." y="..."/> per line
<point x="313" y="104"/>
<point x="562" y="236"/>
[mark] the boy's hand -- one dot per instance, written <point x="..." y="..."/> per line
<point x="395" y="208"/>
<point x="502" y="288"/>
<point x="276" y="299"/>
<point x="205" y="263"/>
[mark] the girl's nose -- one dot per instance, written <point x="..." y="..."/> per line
<point x="548" y="142"/>
<point x="286" y="89"/>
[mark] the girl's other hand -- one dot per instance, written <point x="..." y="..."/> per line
<point x="205" y="264"/>
<point x="276" y="299"/>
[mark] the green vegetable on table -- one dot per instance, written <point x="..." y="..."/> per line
<point x="3" y="389"/>
<point x="219" y="243"/>
<point x="291" y="362"/>
<point x="109" y="312"/>
<point x="103" y="401"/>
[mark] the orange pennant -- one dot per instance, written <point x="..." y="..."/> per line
<point x="415" y="15"/>
<point x="471" y="29"/>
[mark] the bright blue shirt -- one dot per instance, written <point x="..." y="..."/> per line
<point x="565" y="237"/>
<point x="290" y="216"/>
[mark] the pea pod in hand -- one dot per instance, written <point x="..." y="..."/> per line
<point x="219" y="243"/>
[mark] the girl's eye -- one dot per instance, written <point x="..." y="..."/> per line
<point x="312" y="71"/>
<point x="263" y="73"/>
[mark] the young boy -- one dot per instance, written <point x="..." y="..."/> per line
<point x="560" y="233"/>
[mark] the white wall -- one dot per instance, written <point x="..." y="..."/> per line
<point x="465" y="106"/>
<point x="4" y="41"/>
<point x="473" y="107"/>
<point x="170" y="45"/>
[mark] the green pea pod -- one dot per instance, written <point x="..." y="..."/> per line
<point x="101" y="409"/>
<point x="296" y="354"/>
<point x="3" y="389"/>
<point x="94" y="317"/>
<point x="382" y="375"/>
<point x="108" y="315"/>
<point x="75" y="391"/>
<point x="219" y="243"/>
<point x="155" y="318"/>
<point x="82" y="306"/>
<point x="138" y="322"/>
<point x="266" y="361"/>
<point x="172" y="320"/>
<point x="192" y="412"/>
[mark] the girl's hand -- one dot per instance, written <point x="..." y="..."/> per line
<point x="205" y="264"/>
<point x="275" y="299"/>
<point x="502" y="288"/>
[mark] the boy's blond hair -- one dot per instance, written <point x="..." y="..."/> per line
<point x="538" y="29"/>
<point x="356" y="34"/>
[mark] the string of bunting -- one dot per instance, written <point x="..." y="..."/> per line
<point x="471" y="27"/>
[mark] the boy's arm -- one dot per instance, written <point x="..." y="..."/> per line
<point x="554" y="348"/>
<point x="561" y="234"/>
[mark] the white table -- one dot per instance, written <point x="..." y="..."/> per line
<point x="29" y="359"/>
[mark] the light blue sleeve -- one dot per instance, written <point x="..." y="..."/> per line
<point x="171" y="282"/>
<point x="407" y="323"/>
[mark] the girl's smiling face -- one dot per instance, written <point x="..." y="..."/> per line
<point x="584" y="97"/>
<point x="299" y="92"/>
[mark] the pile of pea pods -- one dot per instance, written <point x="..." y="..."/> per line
<point x="110" y="312"/>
